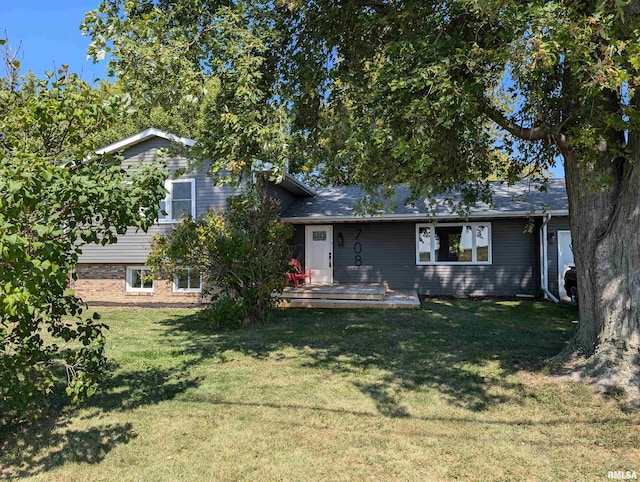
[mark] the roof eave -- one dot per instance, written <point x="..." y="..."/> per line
<point x="292" y="184"/>
<point x="141" y="137"/>
<point x="418" y="217"/>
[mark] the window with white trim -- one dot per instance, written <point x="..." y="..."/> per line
<point x="180" y="201"/>
<point x="188" y="280"/>
<point x="139" y="278"/>
<point x="453" y="243"/>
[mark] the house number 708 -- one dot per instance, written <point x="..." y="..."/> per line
<point x="357" y="248"/>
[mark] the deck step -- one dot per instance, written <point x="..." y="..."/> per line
<point x="372" y="292"/>
<point x="392" y="299"/>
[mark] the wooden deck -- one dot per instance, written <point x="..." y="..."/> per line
<point x="348" y="296"/>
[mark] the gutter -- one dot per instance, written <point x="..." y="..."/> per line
<point x="288" y="181"/>
<point x="423" y="217"/>
<point x="299" y="184"/>
<point x="544" y="262"/>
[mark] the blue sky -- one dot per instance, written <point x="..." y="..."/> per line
<point x="48" y="33"/>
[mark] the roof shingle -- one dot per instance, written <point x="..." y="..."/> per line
<point x="517" y="200"/>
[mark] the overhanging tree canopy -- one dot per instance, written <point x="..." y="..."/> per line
<point x="56" y="196"/>
<point x="431" y="93"/>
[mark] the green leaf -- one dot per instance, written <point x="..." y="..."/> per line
<point x="47" y="208"/>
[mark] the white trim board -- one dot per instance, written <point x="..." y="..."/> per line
<point x="143" y="136"/>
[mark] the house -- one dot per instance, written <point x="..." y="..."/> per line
<point x="500" y="250"/>
<point x="116" y="273"/>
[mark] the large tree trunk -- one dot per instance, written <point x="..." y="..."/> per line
<point x="605" y="229"/>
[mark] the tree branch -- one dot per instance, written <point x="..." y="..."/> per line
<point x="524" y="133"/>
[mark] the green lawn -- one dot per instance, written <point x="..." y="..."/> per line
<point x="455" y="390"/>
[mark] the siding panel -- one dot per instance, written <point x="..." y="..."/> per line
<point x="297" y="243"/>
<point x="285" y="197"/>
<point x="133" y="247"/>
<point x="387" y="253"/>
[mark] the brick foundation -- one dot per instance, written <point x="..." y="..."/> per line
<point x="107" y="284"/>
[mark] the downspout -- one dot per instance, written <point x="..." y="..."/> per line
<point x="543" y="272"/>
<point x="544" y="268"/>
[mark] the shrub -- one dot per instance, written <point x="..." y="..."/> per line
<point x="241" y="253"/>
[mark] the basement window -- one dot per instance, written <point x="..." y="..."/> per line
<point x="188" y="280"/>
<point x="139" y="278"/>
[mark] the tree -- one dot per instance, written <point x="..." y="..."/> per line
<point x="55" y="197"/>
<point x="217" y="57"/>
<point x="241" y="254"/>
<point x="139" y="114"/>
<point x="430" y="93"/>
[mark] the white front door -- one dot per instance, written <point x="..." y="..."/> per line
<point x="565" y="259"/>
<point x="319" y="253"/>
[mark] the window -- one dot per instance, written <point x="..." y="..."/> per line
<point x="319" y="235"/>
<point x="455" y="243"/>
<point x="188" y="280"/>
<point x="180" y="201"/>
<point x="139" y="279"/>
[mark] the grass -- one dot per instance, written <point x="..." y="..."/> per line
<point x="455" y="390"/>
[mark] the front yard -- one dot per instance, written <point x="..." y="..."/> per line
<point x="454" y="390"/>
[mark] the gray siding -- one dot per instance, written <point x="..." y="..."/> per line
<point x="285" y="197"/>
<point x="134" y="247"/>
<point x="208" y="195"/>
<point x="555" y="224"/>
<point x="388" y="255"/>
<point x="297" y="243"/>
<point x="131" y="248"/>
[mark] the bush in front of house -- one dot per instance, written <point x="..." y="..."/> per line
<point x="241" y="252"/>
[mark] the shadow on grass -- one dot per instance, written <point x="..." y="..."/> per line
<point x="386" y="404"/>
<point x="40" y="445"/>
<point x="464" y="349"/>
<point x="472" y="420"/>
<point x="128" y="390"/>
<point x="37" y="449"/>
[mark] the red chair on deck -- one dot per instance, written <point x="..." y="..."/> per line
<point x="296" y="275"/>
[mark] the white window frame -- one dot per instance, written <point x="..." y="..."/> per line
<point x="133" y="289"/>
<point x="474" y="261"/>
<point x="186" y="290"/>
<point x="168" y="185"/>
